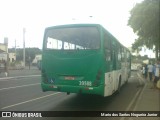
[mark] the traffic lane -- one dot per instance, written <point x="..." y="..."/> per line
<point x="116" y="102"/>
<point x="40" y="90"/>
<point x="20" y="94"/>
<point x="20" y="90"/>
<point x="73" y="102"/>
<point x="40" y="103"/>
<point x="18" y="81"/>
<point x="53" y="102"/>
<point x="24" y="72"/>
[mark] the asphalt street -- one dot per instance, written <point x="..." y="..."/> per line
<point x="22" y="92"/>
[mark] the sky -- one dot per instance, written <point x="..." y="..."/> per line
<point x="36" y="15"/>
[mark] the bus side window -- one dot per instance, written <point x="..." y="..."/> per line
<point x="123" y="55"/>
<point x="128" y="56"/>
<point x="108" y="53"/>
<point x="119" y="52"/>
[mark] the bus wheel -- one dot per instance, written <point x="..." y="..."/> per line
<point x="119" y="86"/>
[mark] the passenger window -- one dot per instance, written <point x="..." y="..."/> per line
<point x="107" y="43"/>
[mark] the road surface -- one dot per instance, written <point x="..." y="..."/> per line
<point x="23" y="93"/>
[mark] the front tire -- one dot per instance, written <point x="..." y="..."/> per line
<point x="119" y="87"/>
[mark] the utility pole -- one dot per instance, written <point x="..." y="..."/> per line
<point x="24" y="46"/>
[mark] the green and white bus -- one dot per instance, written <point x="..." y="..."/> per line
<point x="83" y="58"/>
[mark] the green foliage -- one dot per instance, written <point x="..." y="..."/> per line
<point x="145" y="22"/>
<point x="139" y="58"/>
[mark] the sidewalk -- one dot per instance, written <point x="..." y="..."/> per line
<point x="149" y="99"/>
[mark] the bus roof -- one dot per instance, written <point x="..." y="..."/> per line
<point x="73" y="25"/>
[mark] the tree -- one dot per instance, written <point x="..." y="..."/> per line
<point x="145" y="22"/>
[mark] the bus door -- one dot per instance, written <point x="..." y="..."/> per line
<point x="109" y="66"/>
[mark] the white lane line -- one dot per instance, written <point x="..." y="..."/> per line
<point x="138" y="101"/>
<point x="7" y="78"/>
<point x="133" y="100"/>
<point x="30" y="100"/>
<point x="19" y="86"/>
<point x="131" y="103"/>
<point x="140" y="97"/>
<point x="16" y="79"/>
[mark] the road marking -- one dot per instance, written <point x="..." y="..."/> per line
<point x="131" y="103"/>
<point x="7" y="78"/>
<point x="140" y="97"/>
<point x="30" y="100"/>
<point x="19" y="86"/>
<point x="16" y="79"/>
<point x="133" y="100"/>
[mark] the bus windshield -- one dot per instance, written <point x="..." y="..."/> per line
<point x="72" y="38"/>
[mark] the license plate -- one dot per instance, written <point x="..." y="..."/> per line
<point x="69" y="78"/>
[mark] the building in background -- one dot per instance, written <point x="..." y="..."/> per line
<point x="4" y="51"/>
<point x="12" y="57"/>
<point x="3" y="48"/>
<point x="4" y="57"/>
